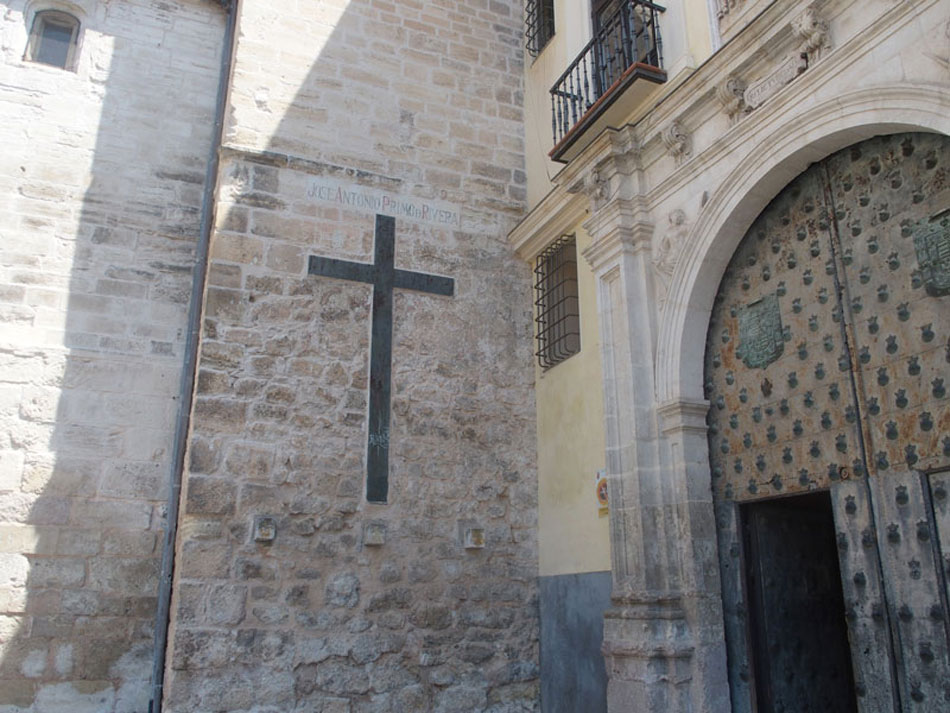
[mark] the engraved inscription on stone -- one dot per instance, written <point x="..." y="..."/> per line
<point x="760" y="332"/>
<point x="932" y="243"/>
<point x="759" y="92"/>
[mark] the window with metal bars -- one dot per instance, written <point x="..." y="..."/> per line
<point x="556" y="303"/>
<point x="539" y="24"/>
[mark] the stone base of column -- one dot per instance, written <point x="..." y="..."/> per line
<point x="655" y="662"/>
<point x="648" y="651"/>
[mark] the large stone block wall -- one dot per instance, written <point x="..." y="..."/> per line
<point x="419" y="101"/>
<point x="100" y="189"/>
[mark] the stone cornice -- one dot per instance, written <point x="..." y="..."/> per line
<point x="695" y="97"/>
<point x="587" y="182"/>
<point x="805" y="85"/>
<point x="621" y="149"/>
<point x="556" y="214"/>
<point x="683" y="415"/>
<point x="617" y="150"/>
<point x="775" y="29"/>
<point x="631" y="602"/>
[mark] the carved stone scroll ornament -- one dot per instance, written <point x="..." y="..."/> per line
<point x="601" y="180"/>
<point x="677" y="142"/>
<point x="727" y="6"/>
<point x="731" y="94"/>
<point x="813" y="31"/>
<point x="594" y="185"/>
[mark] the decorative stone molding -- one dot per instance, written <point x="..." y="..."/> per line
<point x="665" y="252"/>
<point x="622" y="226"/>
<point x="625" y="148"/>
<point x="555" y="215"/>
<point x="678" y="141"/>
<point x="599" y="172"/>
<point x="727" y="6"/>
<point x="761" y="91"/>
<point x="813" y="30"/>
<point x="646" y="638"/>
<point x="813" y="36"/>
<point x="594" y="185"/>
<point x="731" y="94"/>
<point x="683" y="415"/>
<point x="680" y="345"/>
<point x="943" y="59"/>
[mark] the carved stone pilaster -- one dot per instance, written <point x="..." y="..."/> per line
<point x="620" y="226"/>
<point x="683" y="417"/>
<point x="600" y="172"/>
<point x="646" y="641"/>
<point x="814" y="32"/>
<point x="678" y="142"/>
<point x="731" y="94"/>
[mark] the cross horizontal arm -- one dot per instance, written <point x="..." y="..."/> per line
<point x="421" y="282"/>
<point x="342" y="269"/>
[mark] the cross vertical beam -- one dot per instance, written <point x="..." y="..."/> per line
<point x="384" y="277"/>
<point x="381" y="362"/>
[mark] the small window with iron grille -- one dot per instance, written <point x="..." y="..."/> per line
<point x="53" y="39"/>
<point x="539" y="21"/>
<point x="556" y="303"/>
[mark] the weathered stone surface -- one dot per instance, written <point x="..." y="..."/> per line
<point x="343" y="590"/>
<point x="103" y="206"/>
<point x="283" y="381"/>
<point x="103" y="188"/>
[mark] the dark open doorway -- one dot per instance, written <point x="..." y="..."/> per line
<point x="799" y="637"/>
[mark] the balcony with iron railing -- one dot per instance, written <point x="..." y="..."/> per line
<point x="603" y="83"/>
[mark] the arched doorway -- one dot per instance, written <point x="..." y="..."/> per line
<point x="827" y="369"/>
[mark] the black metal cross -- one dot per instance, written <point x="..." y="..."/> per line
<point x="383" y="276"/>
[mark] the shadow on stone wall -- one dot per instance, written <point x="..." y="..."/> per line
<point x="421" y="104"/>
<point x="108" y="164"/>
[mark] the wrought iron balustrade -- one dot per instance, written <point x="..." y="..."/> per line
<point x="626" y="47"/>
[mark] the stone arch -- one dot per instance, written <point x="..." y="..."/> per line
<point x="747" y="189"/>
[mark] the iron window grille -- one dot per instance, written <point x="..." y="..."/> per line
<point x="556" y="302"/>
<point x="53" y="39"/>
<point x="539" y="24"/>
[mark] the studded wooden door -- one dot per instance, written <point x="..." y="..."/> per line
<point x="827" y="368"/>
<point x="795" y="602"/>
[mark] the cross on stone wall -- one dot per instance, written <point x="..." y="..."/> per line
<point x="384" y="277"/>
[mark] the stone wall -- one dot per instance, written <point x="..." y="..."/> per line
<point x="355" y="606"/>
<point x="101" y="176"/>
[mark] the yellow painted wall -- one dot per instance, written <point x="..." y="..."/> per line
<point x="573" y="537"/>
<point x="572" y="30"/>
<point x="698" y="29"/>
<point x="686" y="35"/>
